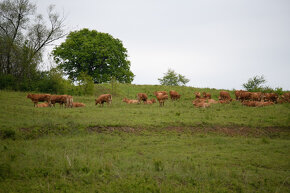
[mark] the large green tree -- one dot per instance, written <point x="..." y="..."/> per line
<point x="98" y="54"/>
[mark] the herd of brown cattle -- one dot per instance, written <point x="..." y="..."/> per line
<point x="51" y="100"/>
<point x="251" y="99"/>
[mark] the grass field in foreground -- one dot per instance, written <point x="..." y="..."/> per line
<point x="145" y="162"/>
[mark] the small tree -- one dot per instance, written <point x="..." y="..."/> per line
<point x="171" y="78"/>
<point x="255" y="83"/>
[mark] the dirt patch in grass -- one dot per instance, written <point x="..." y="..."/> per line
<point x="228" y="131"/>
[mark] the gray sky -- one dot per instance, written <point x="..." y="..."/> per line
<point x="214" y="43"/>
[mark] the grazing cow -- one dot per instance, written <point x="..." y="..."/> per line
<point x="35" y="98"/>
<point x="238" y="93"/>
<point x="42" y="105"/>
<point x="130" y="101"/>
<point x="272" y="97"/>
<point x="104" y="98"/>
<point x="174" y="95"/>
<point x="61" y="99"/>
<point x="75" y="104"/>
<point x="206" y="95"/>
<point x="224" y="95"/>
<point x="142" y="97"/>
<point x="161" y="98"/>
<point x="197" y="95"/>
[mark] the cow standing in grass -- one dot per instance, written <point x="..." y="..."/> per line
<point x="35" y="98"/>
<point x="174" y="95"/>
<point x="104" y="98"/>
<point x="142" y="97"/>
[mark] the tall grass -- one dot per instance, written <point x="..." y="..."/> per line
<point x="144" y="162"/>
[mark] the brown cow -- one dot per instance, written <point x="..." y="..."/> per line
<point x="244" y="95"/>
<point x="200" y="103"/>
<point x="272" y="97"/>
<point x="104" y="98"/>
<point x="150" y="101"/>
<point x="130" y="101"/>
<point x="76" y="104"/>
<point x="161" y="98"/>
<point x="286" y="97"/>
<point x="61" y="99"/>
<point x="249" y="103"/>
<point x="42" y="105"/>
<point x="142" y="97"/>
<point x="206" y="95"/>
<point x="224" y="95"/>
<point x="35" y="98"/>
<point x="174" y="95"/>
<point x="197" y="95"/>
<point x="238" y="93"/>
<point x="256" y="96"/>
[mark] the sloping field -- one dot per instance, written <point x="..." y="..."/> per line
<point x="143" y="148"/>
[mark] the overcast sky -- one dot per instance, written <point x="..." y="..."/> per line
<point x="214" y="43"/>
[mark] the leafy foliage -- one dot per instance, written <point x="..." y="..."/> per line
<point x="255" y="83"/>
<point x="98" y="54"/>
<point x="22" y="42"/>
<point x="171" y="78"/>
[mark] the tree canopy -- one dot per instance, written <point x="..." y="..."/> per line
<point x="97" y="54"/>
<point x="23" y="36"/>
<point x="171" y="78"/>
<point x="255" y="83"/>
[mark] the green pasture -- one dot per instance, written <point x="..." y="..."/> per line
<point x="143" y="148"/>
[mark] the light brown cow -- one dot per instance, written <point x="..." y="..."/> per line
<point x="142" y="97"/>
<point x="104" y="98"/>
<point x="174" y="95"/>
<point x="150" y="101"/>
<point x="76" y="104"/>
<point x="206" y="95"/>
<point x="42" y="105"/>
<point x="130" y="101"/>
<point x="161" y="98"/>
<point x="35" y="98"/>
<point x="200" y="103"/>
<point x="224" y="95"/>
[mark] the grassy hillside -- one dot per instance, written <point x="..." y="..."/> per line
<point x="143" y="148"/>
<point x="17" y="112"/>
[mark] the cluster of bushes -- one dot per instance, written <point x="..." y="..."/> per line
<point x="48" y="82"/>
